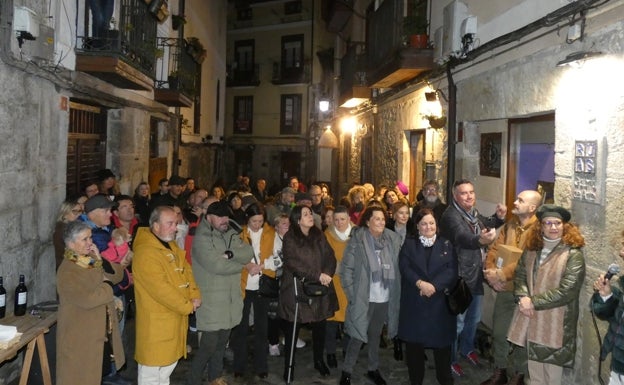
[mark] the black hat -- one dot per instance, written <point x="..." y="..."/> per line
<point x="303" y="196"/>
<point x="104" y="174"/>
<point x="177" y="180"/>
<point x="553" y="211"/>
<point x="98" y="201"/>
<point x="219" y="209"/>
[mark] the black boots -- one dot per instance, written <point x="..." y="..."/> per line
<point x="331" y="361"/>
<point x="398" y="349"/>
<point x="376" y="377"/>
<point x="499" y="377"/>
<point x="345" y="378"/>
<point x="321" y="367"/>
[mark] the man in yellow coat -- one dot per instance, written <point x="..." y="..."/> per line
<point x="166" y="293"/>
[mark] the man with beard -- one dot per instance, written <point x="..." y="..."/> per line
<point x="166" y="293"/>
<point x="219" y="256"/>
<point x="431" y="200"/>
<point x="500" y="276"/>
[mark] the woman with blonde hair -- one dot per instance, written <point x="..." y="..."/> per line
<point x="548" y="281"/>
<point x="356" y="196"/>
<point x="69" y="211"/>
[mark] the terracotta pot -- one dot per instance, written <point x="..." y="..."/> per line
<point x="419" y="41"/>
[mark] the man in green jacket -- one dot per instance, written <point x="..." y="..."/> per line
<point x="218" y="256"/>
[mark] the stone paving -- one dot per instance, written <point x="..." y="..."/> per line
<point x="394" y="372"/>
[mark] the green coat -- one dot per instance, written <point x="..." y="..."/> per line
<point x="566" y="294"/>
<point x="219" y="278"/>
<point x="164" y="287"/>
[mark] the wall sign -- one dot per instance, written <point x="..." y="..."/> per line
<point x="586" y="188"/>
<point x="490" y="154"/>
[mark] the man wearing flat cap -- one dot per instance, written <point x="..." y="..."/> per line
<point x="218" y="255"/>
<point x="98" y="216"/>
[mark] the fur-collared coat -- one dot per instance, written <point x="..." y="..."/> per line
<point x="308" y="261"/>
<point x="81" y="327"/>
<point x="554" y="287"/>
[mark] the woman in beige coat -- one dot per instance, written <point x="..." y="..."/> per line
<point x="87" y="318"/>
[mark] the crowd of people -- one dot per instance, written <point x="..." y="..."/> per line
<point x="365" y="268"/>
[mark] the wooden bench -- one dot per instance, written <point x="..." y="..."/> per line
<point x="33" y="328"/>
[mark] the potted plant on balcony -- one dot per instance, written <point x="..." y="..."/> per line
<point x="196" y="49"/>
<point x="415" y="24"/>
<point x="177" y="21"/>
<point x="174" y="80"/>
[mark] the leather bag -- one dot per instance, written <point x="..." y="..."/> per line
<point x="314" y="289"/>
<point x="269" y="286"/>
<point x="459" y="297"/>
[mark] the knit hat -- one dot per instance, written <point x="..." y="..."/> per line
<point x="553" y="211"/>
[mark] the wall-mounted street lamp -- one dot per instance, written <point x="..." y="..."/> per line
<point x="578" y="58"/>
<point x="324" y="105"/>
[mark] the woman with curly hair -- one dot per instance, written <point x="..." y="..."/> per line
<point x="548" y="280"/>
<point x="356" y="196"/>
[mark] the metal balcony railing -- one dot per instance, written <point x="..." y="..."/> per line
<point x="134" y="41"/>
<point x="237" y="77"/>
<point x="178" y="68"/>
<point x="353" y="67"/>
<point x="384" y="31"/>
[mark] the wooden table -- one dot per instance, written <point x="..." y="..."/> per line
<point x="33" y="328"/>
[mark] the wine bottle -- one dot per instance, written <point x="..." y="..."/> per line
<point x="21" y="297"/>
<point x="2" y="300"/>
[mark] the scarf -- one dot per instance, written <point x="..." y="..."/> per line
<point x="470" y="217"/>
<point x="427" y="242"/>
<point x="85" y="261"/>
<point x="379" y="259"/>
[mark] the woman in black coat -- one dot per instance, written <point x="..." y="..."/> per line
<point x="307" y="257"/>
<point x="428" y="267"/>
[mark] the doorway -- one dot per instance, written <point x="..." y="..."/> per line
<point x="531" y="161"/>
<point x="290" y="166"/>
<point x="417" y="163"/>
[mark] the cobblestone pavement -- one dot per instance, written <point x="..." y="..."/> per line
<point x="394" y="372"/>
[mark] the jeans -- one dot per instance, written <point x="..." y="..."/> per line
<point x="467" y="328"/>
<point x="238" y="341"/>
<point x="211" y="351"/>
<point x="101" y="13"/>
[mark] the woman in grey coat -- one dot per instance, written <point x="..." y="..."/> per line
<point x="370" y="277"/>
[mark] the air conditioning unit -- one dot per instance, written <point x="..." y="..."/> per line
<point x="438" y="43"/>
<point x="453" y="15"/>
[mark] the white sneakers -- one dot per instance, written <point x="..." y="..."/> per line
<point x="300" y="343"/>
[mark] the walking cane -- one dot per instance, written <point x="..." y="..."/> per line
<point x="293" y="338"/>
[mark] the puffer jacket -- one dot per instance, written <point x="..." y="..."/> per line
<point x="566" y="294"/>
<point x="219" y="278"/>
<point x="355" y="276"/>
<point x="612" y="310"/>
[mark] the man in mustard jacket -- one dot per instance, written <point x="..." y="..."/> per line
<point x="166" y="293"/>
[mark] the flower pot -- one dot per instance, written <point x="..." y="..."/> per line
<point x="419" y="41"/>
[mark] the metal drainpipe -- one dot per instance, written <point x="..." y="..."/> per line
<point x="452" y="134"/>
<point x="175" y="164"/>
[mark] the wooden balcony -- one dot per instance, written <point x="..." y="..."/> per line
<point x="114" y="70"/>
<point x="403" y="66"/>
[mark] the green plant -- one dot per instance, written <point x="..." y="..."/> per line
<point x="159" y="53"/>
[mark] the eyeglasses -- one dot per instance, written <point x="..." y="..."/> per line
<point x="431" y="189"/>
<point x="552" y="223"/>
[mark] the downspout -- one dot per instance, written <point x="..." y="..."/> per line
<point x="452" y="134"/>
<point x="177" y="138"/>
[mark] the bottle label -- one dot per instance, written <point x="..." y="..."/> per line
<point x="21" y="298"/>
<point x="2" y="300"/>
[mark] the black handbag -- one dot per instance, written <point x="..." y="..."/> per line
<point x="269" y="286"/>
<point x="314" y="289"/>
<point x="459" y="297"/>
